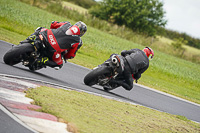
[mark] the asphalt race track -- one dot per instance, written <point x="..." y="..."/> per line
<point x="9" y="125"/>
<point x="72" y="75"/>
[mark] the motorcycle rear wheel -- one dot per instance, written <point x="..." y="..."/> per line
<point x="92" y="77"/>
<point x="15" y="55"/>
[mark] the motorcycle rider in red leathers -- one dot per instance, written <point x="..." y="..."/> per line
<point x="62" y="40"/>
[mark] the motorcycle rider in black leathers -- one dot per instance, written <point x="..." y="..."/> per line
<point x="136" y="62"/>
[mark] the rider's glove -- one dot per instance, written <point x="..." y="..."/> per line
<point x="30" y="39"/>
<point x="33" y="36"/>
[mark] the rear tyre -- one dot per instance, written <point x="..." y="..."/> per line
<point x="92" y="77"/>
<point x="15" y="55"/>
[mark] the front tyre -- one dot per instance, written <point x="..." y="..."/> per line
<point x="92" y="77"/>
<point x="15" y="55"/>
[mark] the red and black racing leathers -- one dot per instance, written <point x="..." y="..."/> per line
<point x="61" y="40"/>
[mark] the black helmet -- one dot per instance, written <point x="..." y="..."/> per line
<point x="82" y="26"/>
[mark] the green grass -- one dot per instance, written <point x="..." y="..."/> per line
<point x="89" y="113"/>
<point x="164" y="39"/>
<point x="166" y="73"/>
<point x="188" y="48"/>
<point x="6" y="36"/>
<point x="74" y="7"/>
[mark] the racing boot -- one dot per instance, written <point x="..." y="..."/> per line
<point x="41" y="61"/>
<point x="107" y="87"/>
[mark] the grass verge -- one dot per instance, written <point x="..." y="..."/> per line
<point x="90" y="113"/>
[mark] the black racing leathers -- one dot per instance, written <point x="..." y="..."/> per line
<point x="136" y="62"/>
<point x="124" y="79"/>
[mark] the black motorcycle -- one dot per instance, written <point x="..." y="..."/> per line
<point x="104" y="73"/>
<point x="27" y="53"/>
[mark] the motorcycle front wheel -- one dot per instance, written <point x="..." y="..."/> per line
<point x="92" y="77"/>
<point x="15" y="55"/>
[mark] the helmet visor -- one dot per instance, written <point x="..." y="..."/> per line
<point x="150" y="57"/>
<point x="151" y="53"/>
<point x="82" y="32"/>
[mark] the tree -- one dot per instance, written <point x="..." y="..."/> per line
<point x="139" y="15"/>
